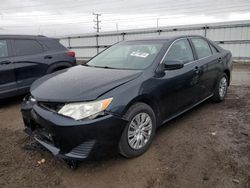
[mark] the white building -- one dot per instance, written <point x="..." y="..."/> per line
<point x="234" y="36"/>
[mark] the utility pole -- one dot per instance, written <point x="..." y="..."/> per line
<point x="97" y="27"/>
<point x="157" y="23"/>
<point x="97" y="22"/>
<point x="116" y="27"/>
<point x="117" y="31"/>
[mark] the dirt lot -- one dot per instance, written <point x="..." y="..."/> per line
<point x="206" y="147"/>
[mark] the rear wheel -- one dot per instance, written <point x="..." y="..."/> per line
<point x="221" y="88"/>
<point x="139" y="132"/>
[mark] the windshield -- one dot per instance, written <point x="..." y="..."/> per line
<point x="129" y="55"/>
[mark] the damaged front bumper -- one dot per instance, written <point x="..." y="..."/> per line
<point x="68" y="138"/>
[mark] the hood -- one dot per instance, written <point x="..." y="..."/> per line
<point x="80" y="83"/>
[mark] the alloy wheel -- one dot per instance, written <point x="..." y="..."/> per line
<point x="139" y="131"/>
<point x="223" y="87"/>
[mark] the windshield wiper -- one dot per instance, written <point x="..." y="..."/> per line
<point x="105" y="67"/>
<point x="86" y="65"/>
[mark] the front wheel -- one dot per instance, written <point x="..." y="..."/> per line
<point x="221" y="88"/>
<point x="139" y="132"/>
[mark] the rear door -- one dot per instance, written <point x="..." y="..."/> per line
<point x="207" y="63"/>
<point x="30" y="61"/>
<point x="7" y="76"/>
<point x="214" y="66"/>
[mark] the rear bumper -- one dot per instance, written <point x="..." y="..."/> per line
<point x="67" y="138"/>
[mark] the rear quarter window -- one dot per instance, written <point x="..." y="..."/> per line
<point x="27" y="47"/>
<point x="53" y="44"/>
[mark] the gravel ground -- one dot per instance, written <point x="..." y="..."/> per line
<point x="208" y="146"/>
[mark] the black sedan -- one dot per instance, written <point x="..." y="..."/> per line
<point x="119" y="98"/>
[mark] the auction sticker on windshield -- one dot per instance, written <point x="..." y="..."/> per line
<point x="139" y="54"/>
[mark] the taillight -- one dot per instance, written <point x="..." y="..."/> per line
<point x="71" y="53"/>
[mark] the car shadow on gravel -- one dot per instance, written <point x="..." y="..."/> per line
<point x="4" y="103"/>
<point x="175" y="121"/>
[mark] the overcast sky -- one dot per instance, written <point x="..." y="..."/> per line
<point x="66" y="17"/>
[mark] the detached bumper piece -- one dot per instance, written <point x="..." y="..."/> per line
<point x="70" y="139"/>
<point x="78" y="153"/>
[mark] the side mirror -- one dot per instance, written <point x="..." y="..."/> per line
<point x="173" y="65"/>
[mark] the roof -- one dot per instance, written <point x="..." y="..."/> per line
<point x="23" y="36"/>
<point x="166" y="38"/>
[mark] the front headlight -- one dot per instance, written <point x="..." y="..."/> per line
<point x="81" y="110"/>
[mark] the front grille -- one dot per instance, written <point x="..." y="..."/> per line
<point x="52" y="106"/>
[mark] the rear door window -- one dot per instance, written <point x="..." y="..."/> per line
<point x="27" y="47"/>
<point x="201" y="47"/>
<point x="3" y="48"/>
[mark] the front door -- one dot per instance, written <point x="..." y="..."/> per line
<point x="179" y="88"/>
<point x="7" y="77"/>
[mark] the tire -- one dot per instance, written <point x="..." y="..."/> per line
<point x="218" y="95"/>
<point x="145" y="134"/>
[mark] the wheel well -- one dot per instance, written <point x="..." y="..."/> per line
<point x="149" y="102"/>
<point x="227" y="72"/>
<point x="58" y="66"/>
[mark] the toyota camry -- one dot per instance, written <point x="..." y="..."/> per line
<point x="117" y="100"/>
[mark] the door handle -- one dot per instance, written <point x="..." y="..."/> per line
<point x="48" y="57"/>
<point x="197" y="70"/>
<point x="219" y="59"/>
<point x="5" y="62"/>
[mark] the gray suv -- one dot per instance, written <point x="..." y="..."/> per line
<point x="23" y="59"/>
